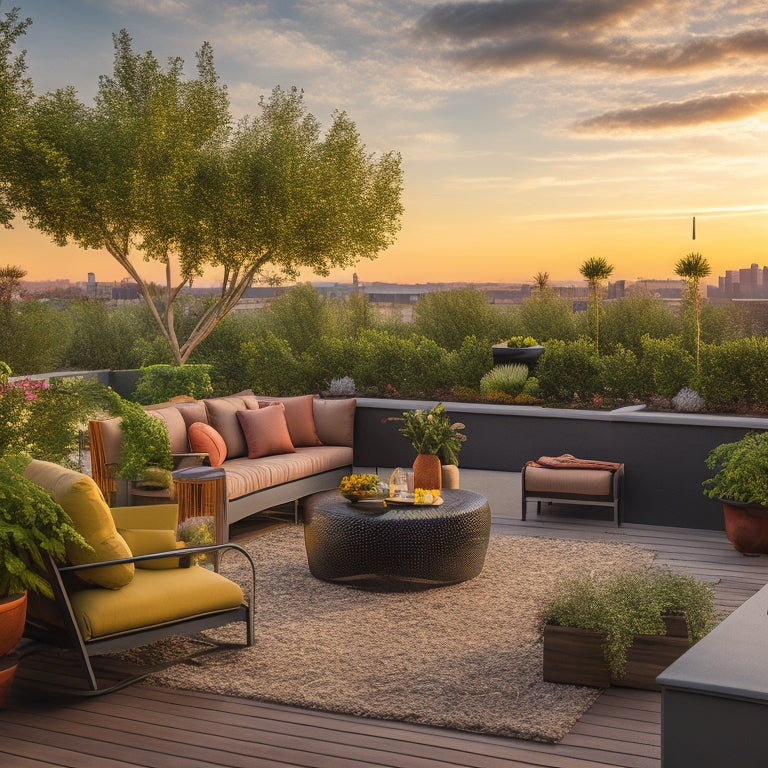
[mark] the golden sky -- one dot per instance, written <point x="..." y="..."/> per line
<point x="534" y="133"/>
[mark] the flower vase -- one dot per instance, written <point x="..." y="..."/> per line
<point x="428" y="472"/>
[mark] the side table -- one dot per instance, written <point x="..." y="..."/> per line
<point x="202" y="492"/>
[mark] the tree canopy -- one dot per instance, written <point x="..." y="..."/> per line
<point x="155" y="170"/>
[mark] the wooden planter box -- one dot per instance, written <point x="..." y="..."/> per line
<point x="575" y="656"/>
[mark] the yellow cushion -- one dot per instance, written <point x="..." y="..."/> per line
<point x="157" y="516"/>
<point x="146" y="541"/>
<point x="154" y="597"/>
<point x="81" y="498"/>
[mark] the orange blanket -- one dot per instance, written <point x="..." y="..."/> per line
<point x="566" y="461"/>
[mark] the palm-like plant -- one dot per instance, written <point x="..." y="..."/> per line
<point x="541" y="282"/>
<point x="594" y="271"/>
<point x="693" y="268"/>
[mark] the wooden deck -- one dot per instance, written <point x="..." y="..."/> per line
<point x="142" y="726"/>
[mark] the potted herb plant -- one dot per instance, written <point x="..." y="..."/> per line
<point x="31" y="524"/>
<point x="740" y="483"/>
<point x="624" y="629"/>
<point x="437" y="442"/>
<point x="517" y="349"/>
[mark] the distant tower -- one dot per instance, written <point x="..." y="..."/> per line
<point x="694" y="227"/>
<point x="355" y="284"/>
<point x="91" y="277"/>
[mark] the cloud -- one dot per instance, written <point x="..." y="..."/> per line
<point x="670" y="115"/>
<point x="511" y="35"/>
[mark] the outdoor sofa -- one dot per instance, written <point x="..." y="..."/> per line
<point x="272" y="450"/>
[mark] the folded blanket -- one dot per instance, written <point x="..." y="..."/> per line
<point x="566" y="461"/>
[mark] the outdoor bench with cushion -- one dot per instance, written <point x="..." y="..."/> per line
<point x="568" y="480"/>
<point x="272" y="450"/>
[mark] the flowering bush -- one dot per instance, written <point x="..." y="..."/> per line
<point x="43" y="419"/>
<point x="431" y="431"/>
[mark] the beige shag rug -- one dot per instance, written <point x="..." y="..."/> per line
<point x="466" y="657"/>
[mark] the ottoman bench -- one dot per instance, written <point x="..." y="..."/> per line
<point x="567" y="480"/>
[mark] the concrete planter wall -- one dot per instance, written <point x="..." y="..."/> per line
<point x="663" y="453"/>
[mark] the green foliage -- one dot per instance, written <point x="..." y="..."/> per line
<point x="570" y="369"/>
<point x="733" y="373"/>
<point x="448" y="317"/>
<point x="43" y="419"/>
<point x="145" y="440"/>
<point x="508" y="379"/>
<point x="594" y="270"/>
<point x="522" y="341"/>
<point x="159" y="383"/>
<point x="629" y="604"/>
<point x="299" y="316"/>
<point x="741" y="470"/>
<point x="626" y="320"/>
<point x="666" y="367"/>
<point x="621" y="379"/>
<point x="468" y="365"/>
<point x="31" y="523"/>
<point x="547" y="316"/>
<point x="269" y="367"/>
<point x="431" y="431"/>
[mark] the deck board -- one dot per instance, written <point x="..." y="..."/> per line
<point x="164" y="728"/>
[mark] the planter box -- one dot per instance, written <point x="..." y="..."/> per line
<point x="575" y="656"/>
<point x="504" y="355"/>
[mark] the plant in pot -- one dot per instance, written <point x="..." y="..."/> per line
<point x="517" y="349"/>
<point x="740" y="483"/>
<point x="623" y="629"/>
<point x="437" y="442"/>
<point x="31" y="524"/>
<point x="146" y="449"/>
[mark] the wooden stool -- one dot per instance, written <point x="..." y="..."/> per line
<point x="590" y="487"/>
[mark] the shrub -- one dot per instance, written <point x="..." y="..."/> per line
<point x="687" y="400"/>
<point x="159" y="383"/>
<point x="344" y="387"/>
<point x="269" y="367"/>
<point x="621" y="378"/>
<point x="733" y="373"/>
<point x="509" y="379"/>
<point x="548" y="317"/>
<point x="570" y="369"/>
<point x="469" y="363"/>
<point x="627" y="320"/>
<point x="666" y="367"/>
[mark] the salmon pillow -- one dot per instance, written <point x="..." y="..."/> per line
<point x="203" y="438"/>
<point x="266" y="431"/>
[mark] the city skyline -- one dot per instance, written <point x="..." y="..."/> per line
<point x="534" y="135"/>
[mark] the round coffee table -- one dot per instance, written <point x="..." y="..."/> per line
<point x="397" y="547"/>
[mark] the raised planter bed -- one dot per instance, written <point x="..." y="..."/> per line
<point x="575" y="656"/>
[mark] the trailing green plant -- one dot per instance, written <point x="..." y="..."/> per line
<point x="741" y="470"/>
<point x="159" y="383"/>
<point x="624" y="605"/>
<point x="431" y="431"/>
<point x="509" y="379"/>
<point x="31" y="523"/>
<point x="145" y="444"/>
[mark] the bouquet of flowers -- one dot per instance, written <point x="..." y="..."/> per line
<point x="431" y="431"/>
<point x="363" y="486"/>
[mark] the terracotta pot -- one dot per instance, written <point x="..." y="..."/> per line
<point x="747" y="527"/>
<point x="13" y="614"/>
<point x="428" y="472"/>
<point x="8" y="665"/>
<point x="450" y="476"/>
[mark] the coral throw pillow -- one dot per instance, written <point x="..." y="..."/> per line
<point x="266" y="431"/>
<point x="299" y="417"/>
<point x="203" y="438"/>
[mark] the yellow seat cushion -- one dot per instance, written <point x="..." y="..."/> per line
<point x="153" y="597"/>
<point x="83" y="501"/>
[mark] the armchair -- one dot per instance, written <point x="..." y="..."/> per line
<point x="138" y="584"/>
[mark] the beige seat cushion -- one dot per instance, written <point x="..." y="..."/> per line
<point x="580" y="482"/>
<point x="154" y="597"/>
<point x="83" y="501"/>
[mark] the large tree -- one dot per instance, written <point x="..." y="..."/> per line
<point x="156" y="171"/>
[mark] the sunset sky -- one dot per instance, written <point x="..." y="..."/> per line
<point x="534" y="133"/>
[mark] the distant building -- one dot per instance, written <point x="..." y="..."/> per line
<point x="749" y="284"/>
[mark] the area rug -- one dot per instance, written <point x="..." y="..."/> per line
<point x="466" y="657"/>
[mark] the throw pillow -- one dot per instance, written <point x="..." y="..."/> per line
<point x="335" y="420"/>
<point x="203" y="438"/>
<point x="222" y="417"/>
<point x="147" y="541"/>
<point x="300" y="419"/>
<point x="266" y="431"/>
